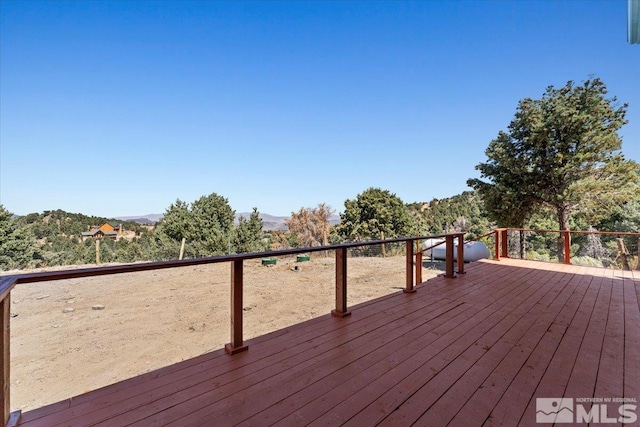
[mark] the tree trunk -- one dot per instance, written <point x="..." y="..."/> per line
<point x="562" y="212"/>
<point x="623" y="254"/>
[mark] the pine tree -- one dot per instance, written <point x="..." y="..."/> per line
<point x="18" y="248"/>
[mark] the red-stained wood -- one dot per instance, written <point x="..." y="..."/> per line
<point x="341" y="284"/>
<point x="631" y="336"/>
<point x="475" y="351"/>
<point x="460" y="254"/>
<point x="585" y="371"/>
<point x="5" y="353"/>
<point x="566" y="237"/>
<point x="418" y="267"/>
<point x="408" y="288"/>
<point x="449" y="257"/>
<point x="474" y="395"/>
<point x="499" y="404"/>
<point x="504" y="243"/>
<point x="236" y="345"/>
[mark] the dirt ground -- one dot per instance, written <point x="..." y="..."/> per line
<point x="62" y="346"/>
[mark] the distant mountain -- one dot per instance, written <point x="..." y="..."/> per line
<point x="270" y="222"/>
<point x="142" y="219"/>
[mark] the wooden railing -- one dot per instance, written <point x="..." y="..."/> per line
<point x="449" y="241"/>
<point x="501" y="240"/>
<point x="236" y="344"/>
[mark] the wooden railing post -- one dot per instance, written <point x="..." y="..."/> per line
<point x="460" y="253"/>
<point x="449" y="256"/>
<point x="497" y="244"/>
<point x="409" y="268"/>
<point x="236" y="345"/>
<point x="418" y="266"/>
<point x="341" y="284"/>
<point x="567" y="246"/>
<point x="5" y="379"/>
<point x="504" y="240"/>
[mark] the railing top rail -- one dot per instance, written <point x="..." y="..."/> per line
<point x="146" y="266"/>
<point x="6" y="284"/>
<point x="432" y="246"/>
<point x="609" y="233"/>
<point x="492" y="232"/>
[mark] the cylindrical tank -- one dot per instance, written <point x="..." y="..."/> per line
<point x="473" y="251"/>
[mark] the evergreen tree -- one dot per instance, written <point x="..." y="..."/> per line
<point x="561" y="151"/>
<point x="247" y="235"/>
<point x="206" y="224"/>
<point x="18" y="248"/>
<point x="374" y="212"/>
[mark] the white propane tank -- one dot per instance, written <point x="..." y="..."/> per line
<point x="473" y="251"/>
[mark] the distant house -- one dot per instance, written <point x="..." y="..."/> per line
<point x="105" y="230"/>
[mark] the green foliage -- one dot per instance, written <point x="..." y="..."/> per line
<point x="586" y="261"/>
<point x="18" y="247"/>
<point x="50" y="224"/>
<point x="177" y="223"/>
<point x="623" y="217"/>
<point x="206" y="224"/>
<point x="374" y="212"/>
<point x="463" y="212"/>
<point x="247" y="235"/>
<point x="562" y="151"/>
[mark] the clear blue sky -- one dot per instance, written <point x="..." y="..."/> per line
<point x="116" y="108"/>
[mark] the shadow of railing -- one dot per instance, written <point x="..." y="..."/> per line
<point x="413" y="275"/>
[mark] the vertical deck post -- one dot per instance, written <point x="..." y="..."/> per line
<point x="449" y="256"/>
<point x="497" y="244"/>
<point x="504" y="240"/>
<point x="5" y="307"/>
<point x="341" y="284"/>
<point x="567" y="246"/>
<point x="461" y="253"/>
<point x="419" y="267"/>
<point x="236" y="345"/>
<point x="409" y="267"/>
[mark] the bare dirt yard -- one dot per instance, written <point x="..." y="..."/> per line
<point x="62" y="346"/>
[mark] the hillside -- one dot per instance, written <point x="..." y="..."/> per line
<point x="271" y="222"/>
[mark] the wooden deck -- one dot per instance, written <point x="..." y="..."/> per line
<point x="473" y="350"/>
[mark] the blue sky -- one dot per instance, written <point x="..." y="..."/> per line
<point x="116" y="108"/>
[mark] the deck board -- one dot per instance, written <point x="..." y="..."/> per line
<point x="474" y="350"/>
<point x="513" y="399"/>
